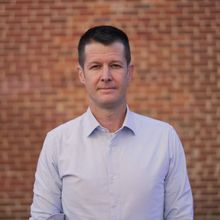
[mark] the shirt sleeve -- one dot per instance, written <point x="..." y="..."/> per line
<point x="48" y="185"/>
<point x="178" y="194"/>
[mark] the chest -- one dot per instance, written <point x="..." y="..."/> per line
<point x="126" y="164"/>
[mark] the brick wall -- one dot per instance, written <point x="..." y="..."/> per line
<point x="176" y="51"/>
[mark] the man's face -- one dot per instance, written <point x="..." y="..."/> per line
<point x="105" y="74"/>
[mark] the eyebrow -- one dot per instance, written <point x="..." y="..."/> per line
<point x="112" y="61"/>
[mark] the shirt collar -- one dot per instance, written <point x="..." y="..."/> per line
<point x="91" y="124"/>
<point x="129" y="121"/>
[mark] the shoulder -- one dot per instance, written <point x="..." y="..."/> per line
<point x="153" y="129"/>
<point x="157" y="131"/>
<point x="149" y="123"/>
<point x="67" y="128"/>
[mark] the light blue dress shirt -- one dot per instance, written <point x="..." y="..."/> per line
<point x="136" y="173"/>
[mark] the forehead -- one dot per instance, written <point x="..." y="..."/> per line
<point x="97" y="51"/>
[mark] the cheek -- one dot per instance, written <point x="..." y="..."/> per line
<point x="90" y="83"/>
<point x="124" y="81"/>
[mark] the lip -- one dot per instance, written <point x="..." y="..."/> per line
<point x="106" y="88"/>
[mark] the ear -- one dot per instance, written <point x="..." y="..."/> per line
<point x="81" y="74"/>
<point x="130" y="71"/>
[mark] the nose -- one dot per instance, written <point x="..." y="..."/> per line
<point x="106" y="74"/>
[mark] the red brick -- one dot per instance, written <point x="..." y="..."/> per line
<point x="175" y="46"/>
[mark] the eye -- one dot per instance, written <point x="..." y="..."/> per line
<point x="116" y="66"/>
<point x="95" y="67"/>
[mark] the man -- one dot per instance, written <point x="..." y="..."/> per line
<point x="111" y="163"/>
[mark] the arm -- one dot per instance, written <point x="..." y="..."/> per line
<point x="48" y="185"/>
<point x="178" y="195"/>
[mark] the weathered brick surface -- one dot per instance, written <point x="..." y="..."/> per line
<point x="176" y="51"/>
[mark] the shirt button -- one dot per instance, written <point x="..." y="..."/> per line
<point x="114" y="206"/>
<point x="113" y="177"/>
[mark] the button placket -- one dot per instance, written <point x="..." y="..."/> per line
<point x="113" y="176"/>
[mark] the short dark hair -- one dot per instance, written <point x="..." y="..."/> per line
<point x="105" y="35"/>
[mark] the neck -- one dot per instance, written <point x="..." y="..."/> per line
<point x="110" y="118"/>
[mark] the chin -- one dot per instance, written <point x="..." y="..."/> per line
<point x="109" y="104"/>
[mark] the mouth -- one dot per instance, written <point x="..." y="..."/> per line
<point x="106" y="88"/>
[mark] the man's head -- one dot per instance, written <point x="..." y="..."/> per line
<point x="105" y="35"/>
<point x="105" y="66"/>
